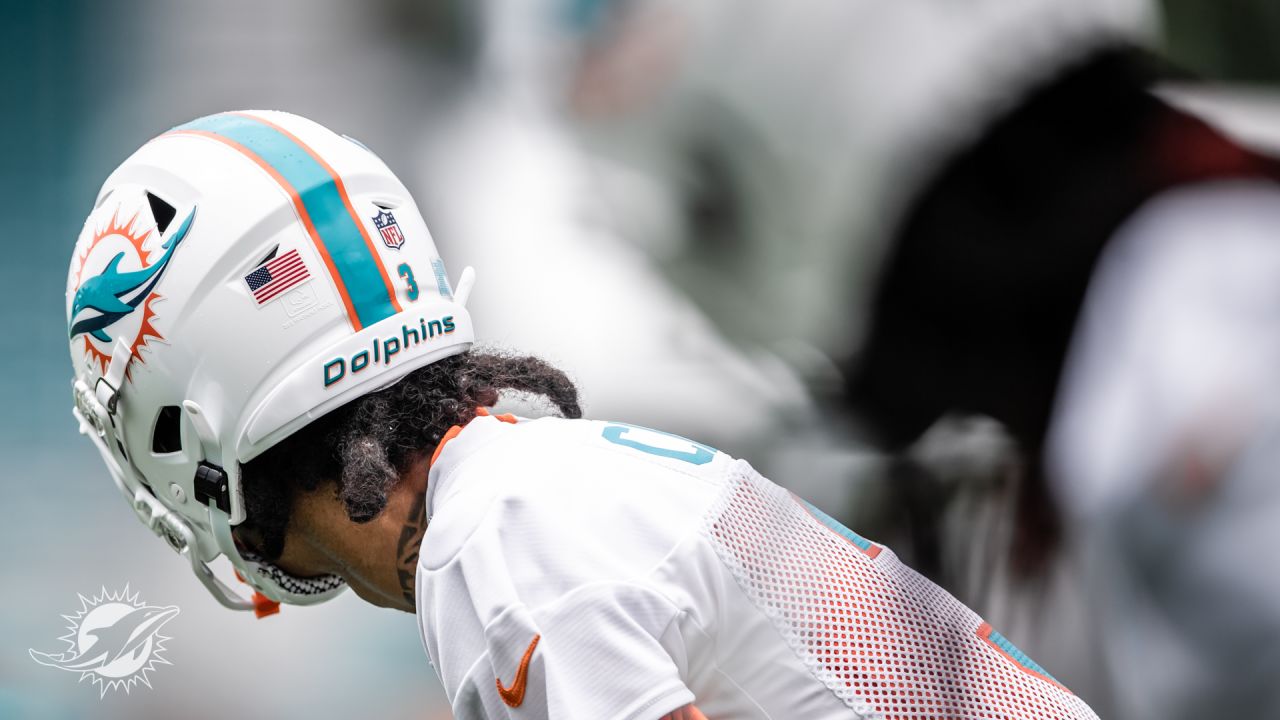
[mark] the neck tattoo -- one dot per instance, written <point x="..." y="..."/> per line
<point x="415" y="527"/>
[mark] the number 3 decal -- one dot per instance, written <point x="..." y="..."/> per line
<point x="411" y="285"/>
<point x="699" y="454"/>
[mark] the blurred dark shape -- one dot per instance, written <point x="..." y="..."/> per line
<point x="962" y="478"/>
<point x="986" y="277"/>
<point x="443" y="31"/>
<point x="713" y="206"/>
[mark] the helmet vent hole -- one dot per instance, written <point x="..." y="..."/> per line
<point x="268" y="256"/>
<point x="162" y="211"/>
<point x="167" y="437"/>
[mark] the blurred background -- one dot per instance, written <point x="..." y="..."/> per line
<point x="729" y="172"/>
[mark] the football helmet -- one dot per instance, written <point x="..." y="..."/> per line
<point x="238" y="277"/>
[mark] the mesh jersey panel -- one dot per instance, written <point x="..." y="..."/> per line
<point x="872" y="630"/>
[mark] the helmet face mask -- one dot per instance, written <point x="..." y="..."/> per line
<point x="240" y="276"/>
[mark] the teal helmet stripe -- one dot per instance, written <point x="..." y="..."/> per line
<point x="341" y="238"/>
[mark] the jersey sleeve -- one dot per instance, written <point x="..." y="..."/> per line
<point x="882" y="638"/>
<point x="609" y="651"/>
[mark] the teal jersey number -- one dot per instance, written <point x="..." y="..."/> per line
<point x="406" y="273"/>
<point x="698" y="454"/>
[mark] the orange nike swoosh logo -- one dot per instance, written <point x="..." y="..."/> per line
<point x="514" y="695"/>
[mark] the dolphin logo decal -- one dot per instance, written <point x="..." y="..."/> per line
<point x="125" y="639"/>
<point x="114" y="294"/>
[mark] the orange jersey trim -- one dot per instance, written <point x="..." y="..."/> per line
<point x="504" y="417"/>
<point x="450" y="434"/>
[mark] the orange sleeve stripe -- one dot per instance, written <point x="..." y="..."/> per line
<point x="984" y="633"/>
<point x="453" y="431"/>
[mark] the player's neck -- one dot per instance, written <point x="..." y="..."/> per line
<point x="379" y="559"/>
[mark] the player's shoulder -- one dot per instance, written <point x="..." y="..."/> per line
<point x="591" y="497"/>
<point x="535" y="523"/>
<point x="565" y="439"/>
<point x="518" y="456"/>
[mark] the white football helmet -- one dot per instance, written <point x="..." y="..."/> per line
<point x="240" y="276"/>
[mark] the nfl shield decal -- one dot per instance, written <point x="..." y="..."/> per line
<point x="390" y="229"/>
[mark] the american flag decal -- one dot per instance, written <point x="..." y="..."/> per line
<point x="276" y="276"/>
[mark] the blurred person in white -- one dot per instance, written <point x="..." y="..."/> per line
<point x="275" y="368"/>
<point x="497" y="161"/>
<point x="987" y="209"/>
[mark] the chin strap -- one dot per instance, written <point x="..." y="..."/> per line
<point x="271" y="584"/>
<point x="98" y="424"/>
<point x="95" y="410"/>
<point x="107" y="389"/>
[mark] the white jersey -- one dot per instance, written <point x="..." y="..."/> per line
<point x="582" y="569"/>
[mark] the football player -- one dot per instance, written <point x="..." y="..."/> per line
<point x="276" y="368"/>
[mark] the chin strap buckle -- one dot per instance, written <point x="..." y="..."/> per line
<point x="212" y="487"/>
<point x="109" y="396"/>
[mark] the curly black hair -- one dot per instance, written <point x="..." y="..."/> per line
<point x="362" y="448"/>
